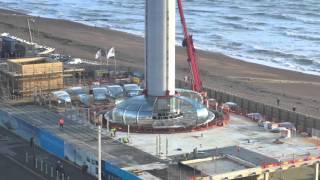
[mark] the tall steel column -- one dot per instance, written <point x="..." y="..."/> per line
<point x="160" y="47"/>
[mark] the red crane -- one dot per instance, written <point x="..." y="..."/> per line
<point x="191" y="52"/>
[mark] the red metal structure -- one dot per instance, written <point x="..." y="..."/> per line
<point x="191" y="52"/>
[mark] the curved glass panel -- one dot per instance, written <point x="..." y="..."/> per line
<point x="130" y="117"/>
<point x="202" y="115"/>
<point x="178" y="111"/>
<point x="117" y="115"/>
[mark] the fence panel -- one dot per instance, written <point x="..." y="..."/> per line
<point x="300" y="124"/>
<point x="111" y="170"/>
<point x="293" y="117"/>
<point x="275" y="114"/>
<point x="252" y="106"/>
<point x="237" y="100"/>
<point x="317" y="124"/>
<point x="246" y="105"/>
<point x="225" y="97"/>
<point x="51" y="143"/>
<point x="260" y="108"/>
<point x="308" y="125"/>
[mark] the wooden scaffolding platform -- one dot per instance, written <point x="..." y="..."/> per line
<point x="27" y="75"/>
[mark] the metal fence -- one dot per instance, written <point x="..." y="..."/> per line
<point x="45" y="167"/>
<point x="315" y="133"/>
<point x="304" y="123"/>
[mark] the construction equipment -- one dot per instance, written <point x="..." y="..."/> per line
<point x="196" y="82"/>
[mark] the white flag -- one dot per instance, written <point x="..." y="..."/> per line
<point x="111" y="53"/>
<point x="98" y="54"/>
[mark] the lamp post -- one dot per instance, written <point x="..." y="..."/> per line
<point x="99" y="151"/>
<point x="99" y="147"/>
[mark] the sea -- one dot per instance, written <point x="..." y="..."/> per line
<point x="278" y="33"/>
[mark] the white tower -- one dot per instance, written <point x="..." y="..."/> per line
<point x="160" y="109"/>
<point x="160" y="47"/>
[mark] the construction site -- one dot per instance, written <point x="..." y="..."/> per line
<point x="122" y="123"/>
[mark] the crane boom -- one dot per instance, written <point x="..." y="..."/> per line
<point x="191" y="52"/>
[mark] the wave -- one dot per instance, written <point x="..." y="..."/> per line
<point x="199" y="10"/>
<point x="95" y="19"/>
<point x="216" y="36"/>
<point x="230" y="27"/>
<point x="238" y="26"/>
<point x="234" y="18"/>
<point x="304" y="61"/>
<point x="298" y="62"/>
<point x="270" y="53"/>
<point x="313" y="14"/>
<point x="303" y="36"/>
<point x="288" y="17"/>
<point x="43" y="3"/>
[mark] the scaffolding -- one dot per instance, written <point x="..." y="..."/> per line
<point x="23" y="77"/>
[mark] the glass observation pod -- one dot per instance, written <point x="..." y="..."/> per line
<point x="156" y="112"/>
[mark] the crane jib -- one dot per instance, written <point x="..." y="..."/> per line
<point x="191" y="52"/>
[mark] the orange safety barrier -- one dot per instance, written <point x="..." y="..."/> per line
<point x="267" y="165"/>
<point x="292" y="161"/>
<point x="309" y="158"/>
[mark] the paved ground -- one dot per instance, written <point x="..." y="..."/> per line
<point x="85" y="137"/>
<point x="13" y="165"/>
<point x="236" y="133"/>
<point x="140" y="152"/>
<point x="217" y="166"/>
<point x="12" y="169"/>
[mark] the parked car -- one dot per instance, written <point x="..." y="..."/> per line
<point x="60" y="97"/>
<point x="115" y="91"/>
<point x="100" y="93"/>
<point x="132" y="90"/>
<point x="79" y="94"/>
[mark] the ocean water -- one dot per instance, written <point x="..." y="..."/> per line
<point x="278" y="33"/>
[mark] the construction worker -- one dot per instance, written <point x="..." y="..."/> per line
<point x="113" y="132"/>
<point x="125" y="140"/>
<point x="61" y="122"/>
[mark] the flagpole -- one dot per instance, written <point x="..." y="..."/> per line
<point x="107" y="60"/>
<point x="115" y="64"/>
<point x="111" y="54"/>
<point x="101" y="62"/>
